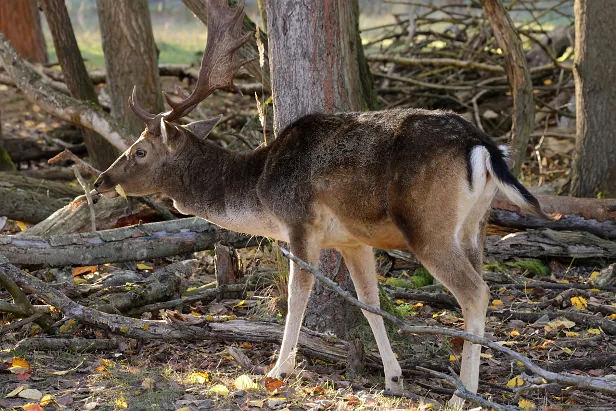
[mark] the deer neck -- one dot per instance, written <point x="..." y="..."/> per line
<point x="220" y="186"/>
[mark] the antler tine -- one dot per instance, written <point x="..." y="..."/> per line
<point x="148" y="118"/>
<point x="224" y="37"/>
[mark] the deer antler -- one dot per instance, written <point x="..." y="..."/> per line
<point x="224" y="37"/>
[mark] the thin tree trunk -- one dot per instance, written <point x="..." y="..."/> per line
<point x="21" y="24"/>
<point x="102" y="154"/>
<point x="130" y="58"/>
<point x="594" y="165"/>
<point x="313" y="51"/>
<point x="519" y="78"/>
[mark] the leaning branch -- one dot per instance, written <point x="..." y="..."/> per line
<point x="58" y="104"/>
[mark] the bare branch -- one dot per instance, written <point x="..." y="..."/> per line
<point x="62" y="106"/>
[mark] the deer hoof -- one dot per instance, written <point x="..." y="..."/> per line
<point x="395" y="386"/>
<point x="456" y="402"/>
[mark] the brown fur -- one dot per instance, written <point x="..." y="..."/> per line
<point x="389" y="179"/>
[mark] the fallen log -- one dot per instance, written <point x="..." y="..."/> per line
<point x="163" y="285"/>
<point x="575" y="214"/>
<point x="139" y="242"/>
<point x="74" y="217"/>
<point x="52" y="189"/>
<point x="26" y="205"/>
<point x="547" y="243"/>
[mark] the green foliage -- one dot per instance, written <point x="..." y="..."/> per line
<point x="495" y="267"/>
<point x="6" y="164"/>
<point x="533" y="267"/>
<point x="420" y="278"/>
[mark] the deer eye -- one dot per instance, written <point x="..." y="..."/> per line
<point x="140" y="152"/>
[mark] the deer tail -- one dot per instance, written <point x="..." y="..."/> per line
<point x="498" y="168"/>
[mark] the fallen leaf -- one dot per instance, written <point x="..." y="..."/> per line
<point x="120" y="191"/>
<point x="579" y="302"/>
<point x="594" y="331"/>
<point x="272" y="384"/>
<point x="596" y="373"/>
<point x="142" y="266"/>
<point x="19" y="366"/>
<point x="23" y="377"/>
<point x="148" y="383"/>
<point x="559" y="323"/>
<point x="15" y="391"/>
<point x="571" y="334"/>
<point x="516" y="381"/>
<point x="255" y="403"/>
<point x="526" y="404"/>
<point x="514" y="333"/>
<point x="220" y="389"/>
<point x="46" y="400"/>
<point x="22" y="226"/>
<point x="244" y="382"/>
<point x="121" y="403"/>
<point x="32" y="407"/>
<point x="199" y="377"/>
<point x="30" y="394"/>
<point x="77" y="271"/>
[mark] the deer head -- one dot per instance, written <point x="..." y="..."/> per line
<point x="141" y="169"/>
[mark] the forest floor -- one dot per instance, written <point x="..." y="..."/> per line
<point x="146" y="374"/>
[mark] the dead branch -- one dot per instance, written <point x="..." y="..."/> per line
<point x="574" y="214"/>
<point x="58" y="104"/>
<point x="64" y="344"/>
<point x="591" y="383"/>
<point x="69" y="155"/>
<point x="22" y="303"/>
<point x="20" y="323"/>
<point x="549" y="243"/>
<point x="462" y="392"/>
<point x="205" y="296"/>
<point x="435" y="62"/>
<point x="140" y="242"/>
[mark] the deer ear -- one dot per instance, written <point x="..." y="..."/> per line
<point x="169" y="133"/>
<point x="202" y="128"/>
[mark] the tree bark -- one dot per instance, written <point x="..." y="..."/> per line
<point x="594" y="164"/>
<point x="519" y="79"/>
<point x="27" y="206"/>
<point x="21" y="24"/>
<point x="130" y="58"/>
<point x="313" y="50"/>
<point x="40" y="92"/>
<point x="102" y="154"/>
<point x="249" y="50"/>
<point x="139" y="242"/>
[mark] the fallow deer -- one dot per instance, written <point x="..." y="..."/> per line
<point x="415" y="179"/>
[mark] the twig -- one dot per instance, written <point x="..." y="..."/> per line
<point x="462" y="392"/>
<point x="591" y="383"/>
<point x="18" y="324"/>
<point x="86" y="188"/>
<point x="68" y="155"/>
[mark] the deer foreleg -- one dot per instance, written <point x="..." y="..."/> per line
<point x="362" y="266"/>
<point x="300" y="286"/>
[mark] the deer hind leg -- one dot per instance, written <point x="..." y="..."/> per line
<point x="362" y="267"/>
<point x="300" y="285"/>
<point x="446" y="259"/>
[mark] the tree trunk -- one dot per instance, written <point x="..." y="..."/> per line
<point x="594" y="165"/>
<point x="21" y="24"/>
<point x="519" y="79"/>
<point x="102" y="154"/>
<point x="313" y="51"/>
<point x="130" y="58"/>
